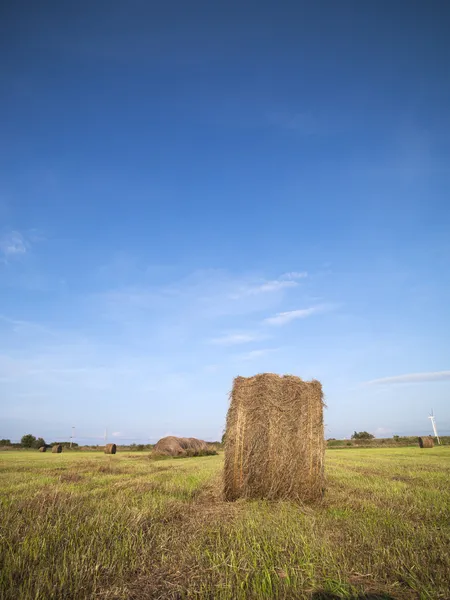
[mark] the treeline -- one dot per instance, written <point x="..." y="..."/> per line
<point x="30" y="441"/>
<point x="372" y="442"/>
<point x="361" y="439"/>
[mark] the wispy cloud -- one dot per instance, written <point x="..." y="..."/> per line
<point x="116" y="433"/>
<point x="25" y="327"/>
<point x="236" y="338"/>
<point x="253" y="354"/>
<point x="13" y="244"/>
<point x="412" y="378"/>
<point x="283" y="318"/>
<point x="295" y="275"/>
<point x="287" y="280"/>
<point x="382" y="431"/>
<point x="200" y="295"/>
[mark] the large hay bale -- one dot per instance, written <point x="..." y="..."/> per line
<point x="43" y="449"/>
<point x="177" y="446"/>
<point x="426" y="442"/>
<point x="274" y="442"/>
<point x="57" y="449"/>
<point x="110" y="449"/>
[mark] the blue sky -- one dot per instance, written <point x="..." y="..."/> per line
<point x="192" y="191"/>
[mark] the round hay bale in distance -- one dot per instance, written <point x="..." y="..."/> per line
<point x="43" y="449"/>
<point x="57" y="449"/>
<point x="426" y="442"/>
<point x="179" y="447"/>
<point x="110" y="449"/>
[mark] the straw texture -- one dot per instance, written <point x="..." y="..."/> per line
<point x="426" y="442"/>
<point x="274" y="442"/>
<point x="177" y="446"/>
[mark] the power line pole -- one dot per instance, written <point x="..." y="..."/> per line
<point x="72" y="436"/>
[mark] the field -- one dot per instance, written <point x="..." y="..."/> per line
<point x="86" y="525"/>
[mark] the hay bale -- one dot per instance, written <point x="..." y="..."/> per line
<point x="43" y="449"/>
<point x="110" y="449"/>
<point x="177" y="446"/>
<point x="57" y="449"/>
<point x="426" y="442"/>
<point x="274" y="441"/>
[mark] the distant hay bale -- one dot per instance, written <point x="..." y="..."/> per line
<point x="176" y="446"/>
<point x="110" y="449"/>
<point x="426" y="442"/>
<point x="43" y="449"/>
<point x="274" y="440"/>
<point x="57" y="449"/>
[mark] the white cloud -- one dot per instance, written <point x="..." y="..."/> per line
<point x="382" y="431"/>
<point x="272" y="286"/>
<point x="286" y="317"/>
<point x="200" y="296"/>
<point x="13" y="244"/>
<point x="268" y="286"/>
<point x="295" y="275"/>
<point x="116" y="433"/>
<point x="412" y="378"/>
<point x="257" y="353"/>
<point x="287" y="280"/>
<point x="236" y="338"/>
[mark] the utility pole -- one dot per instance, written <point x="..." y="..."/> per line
<point x="72" y="436"/>
<point x="433" y="423"/>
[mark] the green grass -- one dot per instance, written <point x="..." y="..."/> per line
<point x="86" y="525"/>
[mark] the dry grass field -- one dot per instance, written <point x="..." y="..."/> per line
<point x="90" y="526"/>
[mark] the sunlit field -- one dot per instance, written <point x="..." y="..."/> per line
<point x="85" y="525"/>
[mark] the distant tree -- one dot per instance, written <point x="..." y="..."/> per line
<point x="396" y="438"/>
<point x="362" y="435"/>
<point x="5" y="442"/>
<point x="28" y="440"/>
<point x="39" y="443"/>
<point x="140" y="447"/>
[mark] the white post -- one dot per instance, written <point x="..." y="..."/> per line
<point x="433" y="423"/>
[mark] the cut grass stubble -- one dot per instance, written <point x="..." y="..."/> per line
<point x="96" y="526"/>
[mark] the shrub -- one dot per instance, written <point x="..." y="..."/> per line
<point x="362" y="435"/>
<point x="28" y="440"/>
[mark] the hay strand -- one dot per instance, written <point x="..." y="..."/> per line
<point x="274" y="442"/>
<point x="426" y="442"/>
<point x="110" y="449"/>
<point x="57" y="449"/>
